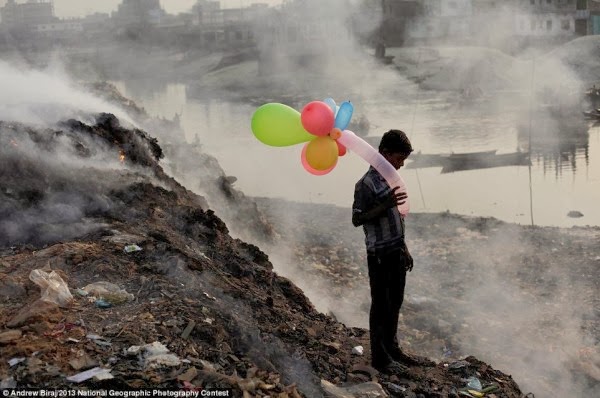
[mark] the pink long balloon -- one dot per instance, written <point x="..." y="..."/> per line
<point x="375" y="159"/>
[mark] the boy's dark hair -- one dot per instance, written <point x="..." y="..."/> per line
<point x="395" y="141"/>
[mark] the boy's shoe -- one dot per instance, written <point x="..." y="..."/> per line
<point x="414" y="360"/>
<point x="392" y="368"/>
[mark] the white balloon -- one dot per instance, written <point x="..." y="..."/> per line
<point x="375" y="159"/>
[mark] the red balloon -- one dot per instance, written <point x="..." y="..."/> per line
<point x="341" y="149"/>
<point x="317" y="118"/>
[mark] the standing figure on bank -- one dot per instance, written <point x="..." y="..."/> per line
<point x="375" y="207"/>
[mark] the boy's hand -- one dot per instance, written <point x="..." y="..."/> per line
<point x="409" y="262"/>
<point x="395" y="198"/>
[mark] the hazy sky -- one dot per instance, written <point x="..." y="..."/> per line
<point x="75" y="8"/>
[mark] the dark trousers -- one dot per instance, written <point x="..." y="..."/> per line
<point x="387" y="277"/>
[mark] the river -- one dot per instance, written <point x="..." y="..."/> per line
<point x="564" y="175"/>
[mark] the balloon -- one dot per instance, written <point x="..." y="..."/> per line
<point x="335" y="133"/>
<point x="341" y="149"/>
<point x="317" y="118"/>
<point x="309" y="168"/>
<point x="279" y="125"/>
<point x="332" y="105"/>
<point x="375" y="159"/>
<point x="321" y="153"/>
<point x="342" y="119"/>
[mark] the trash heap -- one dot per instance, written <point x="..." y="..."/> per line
<point x="113" y="274"/>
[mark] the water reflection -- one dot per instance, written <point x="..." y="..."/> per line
<point x="558" y="144"/>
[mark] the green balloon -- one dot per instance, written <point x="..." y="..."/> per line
<point x="279" y="125"/>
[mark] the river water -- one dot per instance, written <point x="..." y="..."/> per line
<point x="564" y="175"/>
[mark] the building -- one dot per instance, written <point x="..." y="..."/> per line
<point x="59" y="29"/>
<point x="587" y="17"/>
<point x="26" y="15"/>
<point x="546" y="18"/>
<point x="138" y="12"/>
<point x="303" y="33"/>
<point x="399" y="18"/>
<point x="203" y="10"/>
<point x="231" y="27"/>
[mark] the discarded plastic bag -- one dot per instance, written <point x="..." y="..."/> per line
<point x="110" y="292"/>
<point x="54" y="289"/>
<point x="156" y="355"/>
<point x="132" y="248"/>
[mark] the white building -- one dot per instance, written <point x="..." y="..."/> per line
<point x="541" y="18"/>
<point x="444" y="19"/>
<point x="61" y="28"/>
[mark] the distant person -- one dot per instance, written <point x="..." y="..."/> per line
<point x="375" y="207"/>
<point x="380" y="49"/>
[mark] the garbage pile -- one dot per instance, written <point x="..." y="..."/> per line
<point x="113" y="274"/>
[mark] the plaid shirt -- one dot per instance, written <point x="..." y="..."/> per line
<point x="386" y="233"/>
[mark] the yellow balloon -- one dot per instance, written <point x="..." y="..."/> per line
<point x="322" y="153"/>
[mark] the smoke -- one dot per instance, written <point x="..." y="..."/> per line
<point x="309" y="50"/>
<point x="54" y="174"/>
<point x="45" y="186"/>
<point x="46" y="97"/>
<point x="517" y="311"/>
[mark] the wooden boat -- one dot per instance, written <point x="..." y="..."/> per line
<point x="481" y="162"/>
<point x="467" y="161"/>
<point x="420" y="160"/>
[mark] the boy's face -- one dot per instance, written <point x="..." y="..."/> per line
<point x="395" y="158"/>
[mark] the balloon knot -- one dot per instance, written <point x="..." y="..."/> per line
<point x="336" y="133"/>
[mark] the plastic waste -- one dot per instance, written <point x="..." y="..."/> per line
<point x="358" y="350"/>
<point x="14" y="361"/>
<point x="98" y="340"/>
<point x="109" y="292"/>
<point x="102" y="304"/>
<point x="54" y="289"/>
<point x="97" y="373"/>
<point x="156" y="355"/>
<point x="474" y="383"/>
<point x="456" y="365"/>
<point x="132" y="248"/>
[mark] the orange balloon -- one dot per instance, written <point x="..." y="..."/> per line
<point x="322" y="153"/>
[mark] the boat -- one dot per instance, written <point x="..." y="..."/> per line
<point x="420" y="160"/>
<point x="452" y="162"/>
<point x="485" y="162"/>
